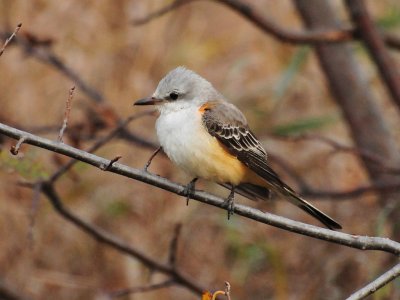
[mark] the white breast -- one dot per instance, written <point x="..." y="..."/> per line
<point x="188" y="144"/>
<point x="178" y="133"/>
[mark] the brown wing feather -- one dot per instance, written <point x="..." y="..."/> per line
<point x="225" y="122"/>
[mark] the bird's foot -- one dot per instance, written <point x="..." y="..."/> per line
<point x="189" y="189"/>
<point x="230" y="203"/>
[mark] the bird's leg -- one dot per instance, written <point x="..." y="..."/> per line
<point x="151" y="158"/>
<point x="189" y="189"/>
<point x="229" y="202"/>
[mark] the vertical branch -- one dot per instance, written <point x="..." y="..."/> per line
<point x="376" y="46"/>
<point x="66" y="114"/>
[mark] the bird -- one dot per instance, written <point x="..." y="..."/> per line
<point x="209" y="138"/>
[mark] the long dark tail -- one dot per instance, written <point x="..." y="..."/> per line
<point x="256" y="192"/>
<point x="310" y="209"/>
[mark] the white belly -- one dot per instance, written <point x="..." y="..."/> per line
<point x="188" y="144"/>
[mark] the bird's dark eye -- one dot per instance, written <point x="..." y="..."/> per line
<point x="174" y="95"/>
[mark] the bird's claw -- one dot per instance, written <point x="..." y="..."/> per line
<point x="230" y="205"/>
<point x="189" y="189"/>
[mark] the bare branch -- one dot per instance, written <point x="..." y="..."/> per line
<point x="142" y="289"/>
<point x="8" y="40"/>
<point x="268" y="26"/>
<point x="108" y="239"/>
<point x="66" y="114"/>
<point x="99" y="143"/>
<point x="379" y="282"/>
<point x="353" y="241"/>
<point x="376" y="46"/>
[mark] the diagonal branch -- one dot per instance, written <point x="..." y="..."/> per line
<point x="379" y="282"/>
<point x="353" y="241"/>
<point x="108" y="239"/>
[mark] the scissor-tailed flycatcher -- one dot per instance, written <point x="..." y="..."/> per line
<point x="209" y="138"/>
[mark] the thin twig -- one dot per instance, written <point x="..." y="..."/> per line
<point x="109" y="165"/>
<point x="66" y="114"/>
<point x="379" y="282"/>
<point x="353" y="241"/>
<point x="8" y="40"/>
<point x="151" y="158"/>
<point x="228" y="290"/>
<point x="15" y="149"/>
<point x="142" y="289"/>
<point x="376" y="46"/>
<point x="101" y="142"/>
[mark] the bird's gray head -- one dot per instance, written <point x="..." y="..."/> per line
<point x="179" y="87"/>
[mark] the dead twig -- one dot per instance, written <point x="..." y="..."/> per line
<point x="8" y="40"/>
<point x="15" y="149"/>
<point x="66" y="114"/>
<point x="109" y="165"/>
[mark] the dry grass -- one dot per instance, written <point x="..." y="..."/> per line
<point x="124" y="63"/>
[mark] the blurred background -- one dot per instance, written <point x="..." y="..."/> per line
<point x="279" y="86"/>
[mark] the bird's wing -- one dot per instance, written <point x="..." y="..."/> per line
<point x="226" y="122"/>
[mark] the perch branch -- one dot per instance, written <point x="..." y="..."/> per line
<point x="353" y="241"/>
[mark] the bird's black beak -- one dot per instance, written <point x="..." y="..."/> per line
<point x="148" y="101"/>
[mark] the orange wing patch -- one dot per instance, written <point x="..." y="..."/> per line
<point x="207" y="106"/>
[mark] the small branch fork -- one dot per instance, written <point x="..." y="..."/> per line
<point x="268" y="26"/>
<point x="8" y="40"/>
